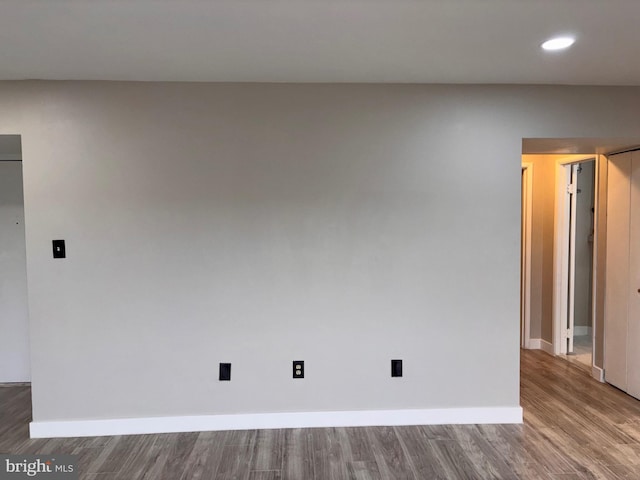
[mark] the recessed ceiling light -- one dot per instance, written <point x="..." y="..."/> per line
<point x="558" y="43"/>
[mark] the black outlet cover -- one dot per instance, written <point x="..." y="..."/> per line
<point x="298" y="369"/>
<point x="225" y="372"/>
<point x="58" y="249"/>
<point x="396" y="368"/>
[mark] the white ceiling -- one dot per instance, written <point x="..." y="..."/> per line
<point x="417" y="41"/>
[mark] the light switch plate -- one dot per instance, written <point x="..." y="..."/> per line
<point x="225" y="372"/>
<point x="396" y="368"/>
<point x="59" y="250"/>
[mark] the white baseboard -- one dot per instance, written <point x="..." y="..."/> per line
<point x="597" y="373"/>
<point x="533" y="344"/>
<point x="135" y="426"/>
<point x="581" y="330"/>
<point x="540" y="344"/>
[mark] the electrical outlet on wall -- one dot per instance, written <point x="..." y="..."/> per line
<point x="298" y="369"/>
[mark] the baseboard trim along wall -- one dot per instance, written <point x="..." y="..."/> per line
<point x="597" y="373"/>
<point x="136" y="426"/>
<point x="540" y="344"/>
<point x="581" y="330"/>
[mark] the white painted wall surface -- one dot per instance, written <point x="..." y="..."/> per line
<point x="343" y="225"/>
<point x="14" y="318"/>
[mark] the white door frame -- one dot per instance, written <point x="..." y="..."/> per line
<point x="561" y="250"/>
<point x="567" y="338"/>
<point x="525" y="307"/>
<point x="600" y="163"/>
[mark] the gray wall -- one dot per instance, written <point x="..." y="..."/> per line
<point x="14" y="319"/>
<point x="542" y="241"/>
<point x="344" y="225"/>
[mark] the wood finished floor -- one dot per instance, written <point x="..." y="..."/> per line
<point x="575" y="428"/>
<point x="582" y="350"/>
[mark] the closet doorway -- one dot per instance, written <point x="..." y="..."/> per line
<point x="574" y="260"/>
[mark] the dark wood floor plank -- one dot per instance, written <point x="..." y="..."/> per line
<point x="531" y="471"/>
<point x="102" y="476"/>
<point x="623" y="472"/>
<point x="298" y="454"/>
<point x="362" y="471"/>
<point x="205" y="457"/>
<point x="415" y="442"/>
<point x="240" y="437"/>
<point x="574" y="428"/>
<point x="268" y="450"/>
<point x="151" y="458"/>
<point x="94" y="458"/>
<point x="119" y="455"/>
<point x="451" y="457"/>
<point x="237" y="455"/>
<point x="358" y="444"/>
<point x="266" y="475"/>
<point x="357" y="453"/>
<point x="511" y="442"/>
<point x="393" y="463"/>
<point x="486" y="460"/>
<point x="437" y="432"/>
<point x="235" y="463"/>
<point x="329" y="460"/>
<point x="178" y="448"/>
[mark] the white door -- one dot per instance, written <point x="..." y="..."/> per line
<point x="633" y="286"/>
<point x="571" y="303"/>
<point x="622" y="299"/>
<point x="14" y="317"/>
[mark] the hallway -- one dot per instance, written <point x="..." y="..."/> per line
<point x="575" y="428"/>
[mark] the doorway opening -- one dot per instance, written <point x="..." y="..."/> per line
<point x="15" y="364"/>
<point x="580" y="236"/>
<point x="525" y="254"/>
<point x="562" y="274"/>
